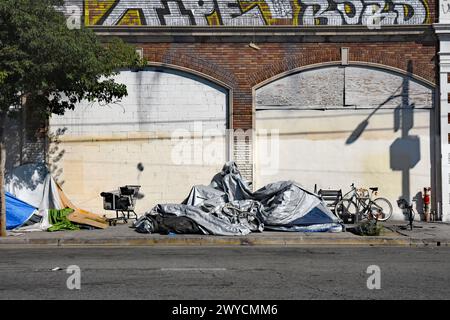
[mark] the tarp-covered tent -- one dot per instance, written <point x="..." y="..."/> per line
<point x="287" y="205"/>
<point x="34" y="185"/>
<point x="17" y="212"/>
<point x="228" y="207"/>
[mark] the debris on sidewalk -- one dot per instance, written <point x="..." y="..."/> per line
<point x="35" y="202"/>
<point x="369" y="228"/>
<point x="228" y="207"/>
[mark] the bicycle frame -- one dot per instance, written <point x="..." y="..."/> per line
<point x="363" y="204"/>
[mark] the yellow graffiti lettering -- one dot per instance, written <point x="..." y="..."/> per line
<point x="94" y="10"/>
<point x="213" y="19"/>
<point x="131" y="18"/>
<point x="296" y="8"/>
<point x="348" y="8"/>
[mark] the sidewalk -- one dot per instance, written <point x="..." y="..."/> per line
<point x="430" y="234"/>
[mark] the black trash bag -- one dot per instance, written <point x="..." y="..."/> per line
<point x="175" y="224"/>
<point x="166" y="224"/>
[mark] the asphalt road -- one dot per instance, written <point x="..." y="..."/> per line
<point x="225" y="273"/>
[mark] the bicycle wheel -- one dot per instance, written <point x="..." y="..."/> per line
<point x="346" y="209"/>
<point x="384" y="207"/>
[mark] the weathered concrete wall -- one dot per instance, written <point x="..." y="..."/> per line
<point x="387" y="145"/>
<point x="162" y="125"/>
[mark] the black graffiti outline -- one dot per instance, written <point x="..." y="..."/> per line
<point x="389" y="7"/>
<point x="141" y="16"/>
<point x="161" y="12"/>
<point x="251" y="7"/>
<point x="107" y="13"/>
<point x="219" y="14"/>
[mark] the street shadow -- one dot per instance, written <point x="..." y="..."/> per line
<point x="405" y="151"/>
<point x="13" y="140"/>
<point x="140" y="169"/>
<point x="24" y="139"/>
<point x="28" y="149"/>
<point x="418" y="200"/>
<point x="56" y="154"/>
<point x="359" y="130"/>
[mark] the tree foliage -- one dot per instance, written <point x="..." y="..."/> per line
<point x="51" y="66"/>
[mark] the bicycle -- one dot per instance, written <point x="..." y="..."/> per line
<point x="408" y="207"/>
<point x="358" y="204"/>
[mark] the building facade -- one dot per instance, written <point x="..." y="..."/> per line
<point x="442" y="29"/>
<point x="323" y="92"/>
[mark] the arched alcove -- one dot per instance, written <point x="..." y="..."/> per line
<point x="335" y="125"/>
<point x="167" y="135"/>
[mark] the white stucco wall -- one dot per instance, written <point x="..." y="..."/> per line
<point x="102" y="145"/>
<point x="359" y="143"/>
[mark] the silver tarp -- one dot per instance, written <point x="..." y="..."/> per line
<point x="228" y="207"/>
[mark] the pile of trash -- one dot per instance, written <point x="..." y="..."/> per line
<point x="229" y="207"/>
<point x="35" y="202"/>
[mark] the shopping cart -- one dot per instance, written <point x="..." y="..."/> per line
<point x="122" y="201"/>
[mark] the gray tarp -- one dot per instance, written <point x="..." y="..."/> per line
<point x="285" y="202"/>
<point x="228" y="207"/>
<point x="222" y="219"/>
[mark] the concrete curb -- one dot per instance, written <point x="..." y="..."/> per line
<point x="168" y="241"/>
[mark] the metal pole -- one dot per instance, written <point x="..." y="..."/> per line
<point x="2" y="191"/>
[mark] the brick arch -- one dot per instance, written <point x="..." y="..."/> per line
<point x="317" y="58"/>
<point x="419" y="70"/>
<point x="313" y="57"/>
<point x="190" y="64"/>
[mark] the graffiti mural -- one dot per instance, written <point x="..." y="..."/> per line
<point x="254" y="12"/>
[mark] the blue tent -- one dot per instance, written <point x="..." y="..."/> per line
<point x="17" y="211"/>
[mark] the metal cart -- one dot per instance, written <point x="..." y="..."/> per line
<point x="121" y="201"/>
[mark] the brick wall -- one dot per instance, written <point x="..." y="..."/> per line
<point x="242" y="67"/>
